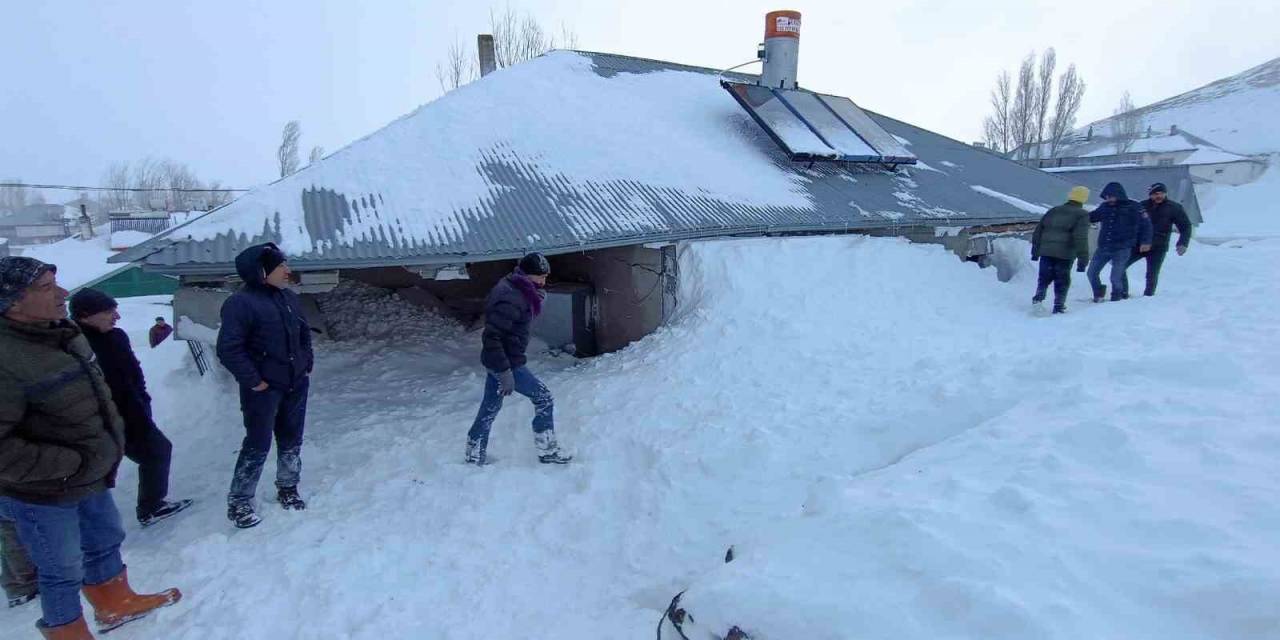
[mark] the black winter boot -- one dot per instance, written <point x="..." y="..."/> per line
<point x="1100" y="295"/>
<point x="475" y="453"/>
<point x="165" y="510"/>
<point x="289" y="499"/>
<point x="242" y="515"/>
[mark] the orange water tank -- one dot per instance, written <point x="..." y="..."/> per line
<point x="782" y="24"/>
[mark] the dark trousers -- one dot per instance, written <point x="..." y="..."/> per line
<point x="151" y="450"/>
<point x="1056" y="272"/>
<point x="17" y="573"/>
<point x="1155" y="260"/>
<point x="527" y="385"/>
<point x="274" y="412"/>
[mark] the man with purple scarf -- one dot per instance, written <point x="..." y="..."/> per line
<point x="508" y="311"/>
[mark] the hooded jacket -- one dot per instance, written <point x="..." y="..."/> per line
<point x="263" y="336"/>
<point x="61" y="437"/>
<point x="1125" y="224"/>
<point x="1164" y="217"/>
<point x="507" y="316"/>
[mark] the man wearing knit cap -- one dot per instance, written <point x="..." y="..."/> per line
<point x="510" y="308"/>
<point x="1063" y="234"/>
<point x="266" y="344"/>
<point x="61" y="441"/>
<point x="144" y="443"/>
<point x="1165" y="214"/>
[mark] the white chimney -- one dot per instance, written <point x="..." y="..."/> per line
<point x="781" y="49"/>
<point x="488" y="61"/>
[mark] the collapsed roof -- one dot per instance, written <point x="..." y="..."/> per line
<point x="574" y="151"/>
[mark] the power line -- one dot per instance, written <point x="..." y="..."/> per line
<point x="131" y="189"/>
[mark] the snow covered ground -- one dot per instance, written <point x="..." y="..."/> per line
<point x="896" y="447"/>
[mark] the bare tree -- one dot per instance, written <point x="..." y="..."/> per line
<point x="459" y="67"/>
<point x="216" y="197"/>
<point x="117" y="177"/>
<point x="287" y="154"/>
<point x="1070" y="95"/>
<point x="1044" y="97"/>
<point x="1126" y="125"/>
<point x="1023" y="115"/>
<point x="997" y="126"/>
<point x="517" y="38"/>
<point x="14" y="197"/>
<point x="316" y="154"/>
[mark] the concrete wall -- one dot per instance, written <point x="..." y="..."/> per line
<point x="1230" y="173"/>
<point x="633" y="288"/>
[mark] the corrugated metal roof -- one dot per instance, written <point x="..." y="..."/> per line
<point x="530" y="206"/>
<point x="1136" y="180"/>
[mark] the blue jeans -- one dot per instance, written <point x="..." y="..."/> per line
<point x="70" y="544"/>
<point x="271" y="412"/>
<point x="1119" y="259"/>
<point x="528" y="386"/>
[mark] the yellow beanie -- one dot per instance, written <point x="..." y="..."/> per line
<point x="1079" y="194"/>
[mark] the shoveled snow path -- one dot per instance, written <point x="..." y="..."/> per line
<point x="795" y="361"/>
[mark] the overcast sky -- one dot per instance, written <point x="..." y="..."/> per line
<point x="212" y="83"/>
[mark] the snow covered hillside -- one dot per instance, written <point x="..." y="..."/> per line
<point x="1247" y="211"/>
<point x="896" y="447"/>
<point x="1237" y="113"/>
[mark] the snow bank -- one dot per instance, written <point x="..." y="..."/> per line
<point x="1246" y="211"/>
<point x="354" y="310"/>
<point x="894" y="445"/>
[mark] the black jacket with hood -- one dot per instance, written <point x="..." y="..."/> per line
<point x="264" y="336"/>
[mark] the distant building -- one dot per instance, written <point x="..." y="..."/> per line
<point x="1206" y="161"/>
<point x="35" y="224"/>
<point x="135" y="227"/>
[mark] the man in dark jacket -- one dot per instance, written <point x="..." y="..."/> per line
<point x="265" y="343"/>
<point x="1164" y="214"/>
<point x="61" y="441"/>
<point x="144" y="444"/>
<point x="1063" y="234"/>
<point x="160" y="331"/>
<point x="1125" y="225"/>
<point x="509" y="310"/>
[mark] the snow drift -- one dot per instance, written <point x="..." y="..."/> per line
<point x="894" y="445"/>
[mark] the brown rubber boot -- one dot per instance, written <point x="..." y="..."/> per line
<point x="77" y="630"/>
<point x="115" y="603"/>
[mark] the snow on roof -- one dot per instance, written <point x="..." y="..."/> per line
<point x="573" y="150"/>
<point x="1214" y="156"/>
<point x="79" y="261"/>
<point x="1089" y="167"/>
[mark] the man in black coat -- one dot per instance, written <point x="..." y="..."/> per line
<point x="265" y="343"/>
<point x="509" y="310"/>
<point x="1165" y="215"/>
<point x="96" y="313"/>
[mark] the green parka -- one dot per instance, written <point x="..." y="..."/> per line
<point x="61" y="438"/>
<point x="1063" y="233"/>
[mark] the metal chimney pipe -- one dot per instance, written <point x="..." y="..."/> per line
<point x="781" y="49"/>
<point x="488" y="61"/>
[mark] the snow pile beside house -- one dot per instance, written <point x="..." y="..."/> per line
<point x="894" y="445"/>
<point x="354" y="310"/>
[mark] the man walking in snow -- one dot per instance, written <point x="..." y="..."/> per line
<point x="61" y="441"/>
<point x="509" y="310"/>
<point x="266" y="344"/>
<point x="144" y="444"/>
<point x="159" y="332"/>
<point x="1164" y="214"/>
<point x="1063" y="234"/>
<point x="1124" y="225"/>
